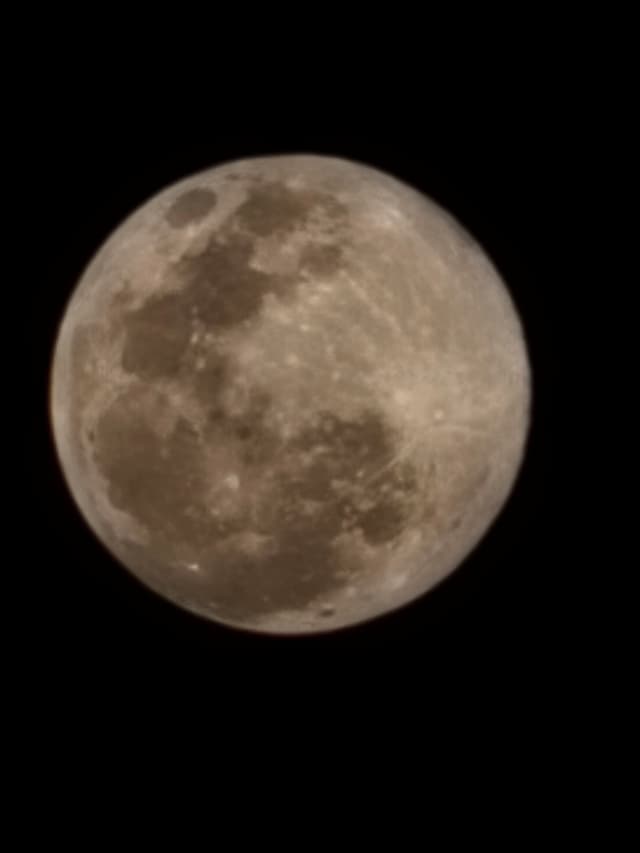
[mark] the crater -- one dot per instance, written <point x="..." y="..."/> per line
<point x="191" y="206"/>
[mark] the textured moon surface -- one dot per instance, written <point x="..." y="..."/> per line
<point x="290" y="393"/>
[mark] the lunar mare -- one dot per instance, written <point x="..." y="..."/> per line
<point x="290" y="393"/>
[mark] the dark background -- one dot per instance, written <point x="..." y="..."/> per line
<point x="491" y="151"/>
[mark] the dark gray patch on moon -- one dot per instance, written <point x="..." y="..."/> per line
<point x="191" y="206"/>
<point x="271" y="207"/>
<point x="222" y="286"/>
<point x="322" y="259"/>
<point x="209" y="382"/>
<point x="156" y="336"/>
<point x="152" y="479"/>
<point x="257" y="445"/>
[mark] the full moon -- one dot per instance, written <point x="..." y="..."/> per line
<point x="290" y="393"/>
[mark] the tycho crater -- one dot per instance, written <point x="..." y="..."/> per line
<point x="288" y="395"/>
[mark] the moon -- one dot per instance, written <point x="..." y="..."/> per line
<point x="290" y="393"/>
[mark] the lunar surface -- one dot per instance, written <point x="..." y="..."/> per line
<point x="290" y="393"/>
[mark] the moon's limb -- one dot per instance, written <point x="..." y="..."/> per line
<point x="290" y="393"/>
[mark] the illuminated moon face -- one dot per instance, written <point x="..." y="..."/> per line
<point x="290" y="393"/>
